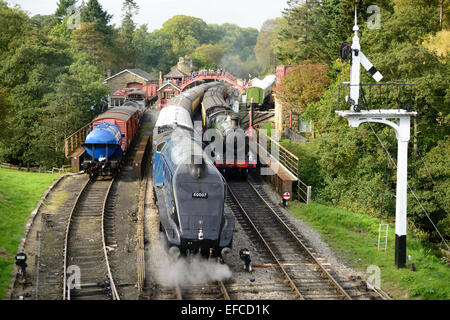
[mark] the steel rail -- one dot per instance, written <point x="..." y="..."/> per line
<point x="178" y="292"/>
<point x="331" y="279"/>
<point x="66" y="293"/>
<point x="220" y="284"/>
<point x="66" y="239"/>
<point x="115" y="295"/>
<point x="290" y="282"/>
<point x="223" y="289"/>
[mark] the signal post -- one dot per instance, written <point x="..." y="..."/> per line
<point x="355" y="116"/>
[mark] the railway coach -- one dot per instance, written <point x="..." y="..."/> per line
<point x="260" y="90"/>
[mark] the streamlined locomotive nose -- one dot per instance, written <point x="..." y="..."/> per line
<point x="199" y="199"/>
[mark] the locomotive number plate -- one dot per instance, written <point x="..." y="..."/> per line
<point x="200" y="195"/>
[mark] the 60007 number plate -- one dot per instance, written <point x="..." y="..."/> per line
<point x="200" y="195"/>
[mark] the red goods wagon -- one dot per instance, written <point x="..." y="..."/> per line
<point x="126" y="118"/>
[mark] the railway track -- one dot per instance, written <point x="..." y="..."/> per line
<point x="204" y="291"/>
<point x="214" y="291"/>
<point x="85" y="248"/>
<point x="307" y="277"/>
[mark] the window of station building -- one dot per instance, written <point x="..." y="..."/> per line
<point x="170" y="94"/>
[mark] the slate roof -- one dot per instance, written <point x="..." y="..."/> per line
<point x="138" y="72"/>
<point x="175" y="73"/>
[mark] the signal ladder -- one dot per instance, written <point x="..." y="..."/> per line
<point x="383" y="231"/>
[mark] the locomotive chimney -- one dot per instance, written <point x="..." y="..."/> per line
<point x="196" y="166"/>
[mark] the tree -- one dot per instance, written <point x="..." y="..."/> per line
<point x="300" y="37"/>
<point x="87" y="38"/>
<point x="432" y="185"/>
<point x="314" y="30"/>
<point x="303" y="85"/>
<point x="238" y="41"/>
<point x="185" y="33"/>
<point x="125" y="42"/>
<point x="63" y="6"/>
<point x="27" y="75"/>
<point x="130" y="9"/>
<point x="207" y="56"/>
<point x="93" y="12"/>
<point x="14" y="25"/>
<point x="265" y="46"/>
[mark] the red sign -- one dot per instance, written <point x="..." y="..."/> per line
<point x="287" y="196"/>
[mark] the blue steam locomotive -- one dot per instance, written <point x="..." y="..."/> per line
<point x="189" y="188"/>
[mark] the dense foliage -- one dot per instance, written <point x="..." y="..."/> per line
<point x="348" y="166"/>
<point x="52" y="67"/>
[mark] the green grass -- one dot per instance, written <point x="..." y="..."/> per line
<point x="355" y="237"/>
<point x="19" y="194"/>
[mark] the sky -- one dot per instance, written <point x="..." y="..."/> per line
<point x="244" y="13"/>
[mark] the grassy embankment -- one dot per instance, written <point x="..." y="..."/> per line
<point x="355" y="237"/>
<point x="19" y="194"/>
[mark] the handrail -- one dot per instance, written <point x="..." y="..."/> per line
<point x="213" y="75"/>
<point x="75" y="140"/>
<point x="291" y="162"/>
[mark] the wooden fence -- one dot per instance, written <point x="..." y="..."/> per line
<point x="74" y="141"/>
<point x="63" y="169"/>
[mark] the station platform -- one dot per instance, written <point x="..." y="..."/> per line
<point x="276" y="173"/>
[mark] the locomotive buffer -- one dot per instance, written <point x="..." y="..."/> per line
<point x="356" y="116"/>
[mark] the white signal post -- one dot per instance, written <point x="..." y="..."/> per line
<point x="356" y="65"/>
<point x="402" y="131"/>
